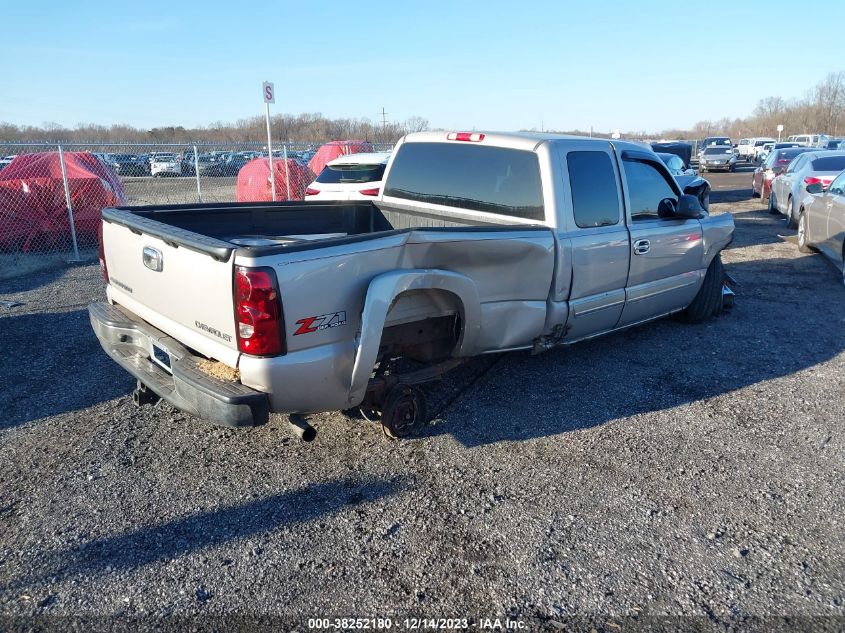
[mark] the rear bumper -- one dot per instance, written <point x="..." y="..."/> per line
<point x="129" y="342"/>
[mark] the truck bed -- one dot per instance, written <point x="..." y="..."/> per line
<point x="258" y="229"/>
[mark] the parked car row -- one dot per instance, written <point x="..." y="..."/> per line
<point x="807" y="186"/>
<point x="789" y="190"/>
<point x="5" y="160"/>
<point x="712" y="154"/>
<point x="213" y="163"/>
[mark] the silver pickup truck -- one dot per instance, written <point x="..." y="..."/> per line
<point x="477" y="243"/>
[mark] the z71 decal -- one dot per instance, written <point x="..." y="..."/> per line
<point x="320" y="322"/>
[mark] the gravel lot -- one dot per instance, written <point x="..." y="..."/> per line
<point x="669" y="470"/>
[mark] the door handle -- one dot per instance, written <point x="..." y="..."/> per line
<point x="641" y="247"/>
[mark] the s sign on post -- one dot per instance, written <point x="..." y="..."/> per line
<point x="270" y="97"/>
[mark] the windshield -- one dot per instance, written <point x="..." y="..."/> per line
<point x="760" y="143"/>
<point x="717" y="140"/>
<point x="340" y="174"/>
<point x="674" y="163"/>
<point x="789" y="154"/>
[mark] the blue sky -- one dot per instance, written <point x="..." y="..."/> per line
<point x="459" y="64"/>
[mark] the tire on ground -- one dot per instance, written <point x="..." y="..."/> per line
<point x="708" y="301"/>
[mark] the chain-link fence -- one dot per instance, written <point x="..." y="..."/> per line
<point x="51" y="194"/>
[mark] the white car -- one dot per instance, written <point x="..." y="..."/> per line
<point x="744" y="147"/>
<point x="763" y="152"/>
<point x="350" y="177"/>
<point x="753" y="155"/>
<point x="165" y="165"/>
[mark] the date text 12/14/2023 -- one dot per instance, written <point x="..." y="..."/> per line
<point x="417" y="624"/>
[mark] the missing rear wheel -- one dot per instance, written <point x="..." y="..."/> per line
<point x="403" y="413"/>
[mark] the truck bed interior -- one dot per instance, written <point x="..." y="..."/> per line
<point x="257" y="229"/>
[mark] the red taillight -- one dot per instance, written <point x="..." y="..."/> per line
<point x="369" y="192"/>
<point x="812" y="180"/>
<point x="465" y="136"/>
<point x="101" y="252"/>
<point x="311" y="192"/>
<point x="258" y="313"/>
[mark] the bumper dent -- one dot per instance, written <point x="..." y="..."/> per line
<point x="129" y="342"/>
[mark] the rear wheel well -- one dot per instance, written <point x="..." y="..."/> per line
<point x="423" y="325"/>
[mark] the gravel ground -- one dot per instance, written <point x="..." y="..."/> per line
<point x="689" y="473"/>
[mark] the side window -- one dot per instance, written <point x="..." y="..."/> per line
<point x="795" y="165"/>
<point x="595" y="200"/>
<point x="646" y="188"/>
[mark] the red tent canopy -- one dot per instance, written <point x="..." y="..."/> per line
<point x="333" y="149"/>
<point x="254" y="180"/>
<point x="33" y="210"/>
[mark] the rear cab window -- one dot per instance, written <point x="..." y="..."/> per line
<point x="592" y="180"/>
<point x="468" y="176"/>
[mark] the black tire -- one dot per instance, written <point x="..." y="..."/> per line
<point x="754" y="193"/>
<point x="708" y="301"/>
<point x="791" y="220"/>
<point x="842" y="268"/>
<point x="403" y="412"/>
<point x="773" y="204"/>
<point x="705" y="201"/>
<point x="803" y="244"/>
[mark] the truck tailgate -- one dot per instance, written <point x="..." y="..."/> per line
<point x="189" y="295"/>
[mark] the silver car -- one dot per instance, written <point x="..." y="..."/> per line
<point x="717" y="157"/>
<point x="821" y="221"/>
<point x="789" y="189"/>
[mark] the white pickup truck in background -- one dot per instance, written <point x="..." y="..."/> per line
<point x="477" y="243"/>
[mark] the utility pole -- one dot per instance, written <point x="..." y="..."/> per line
<point x="383" y="124"/>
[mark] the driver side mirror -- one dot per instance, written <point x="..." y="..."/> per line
<point x="688" y="207"/>
<point x="816" y="187"/>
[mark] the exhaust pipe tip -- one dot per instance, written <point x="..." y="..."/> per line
<point x="300" y="427"/>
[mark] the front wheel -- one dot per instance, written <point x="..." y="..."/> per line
<point x="773" y="205"/>
<point x="803" y="244"/>
<point x="791" y="221"/>
<point x="708" y="301"/>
